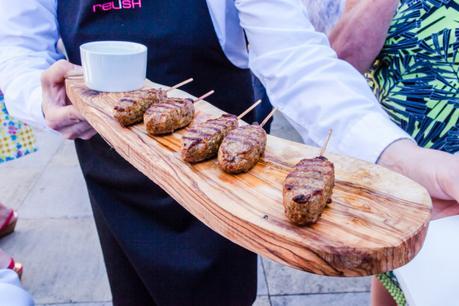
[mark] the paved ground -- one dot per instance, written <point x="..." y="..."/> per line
<point x="56" y="238"/>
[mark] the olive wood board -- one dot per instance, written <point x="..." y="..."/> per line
<point x="377" y="220"/>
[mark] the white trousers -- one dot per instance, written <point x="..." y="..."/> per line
<point x="11" y="291"/>
<point x="431" y="278"/>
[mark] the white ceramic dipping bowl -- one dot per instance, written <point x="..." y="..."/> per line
<point x="114" y="66"/>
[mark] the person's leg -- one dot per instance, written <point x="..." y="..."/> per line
<point x="11" y="292"/>
<point x="126" y="286"/>
<point x="379" y="295"/>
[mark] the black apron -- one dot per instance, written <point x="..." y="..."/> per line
<point x="155" y="251"/>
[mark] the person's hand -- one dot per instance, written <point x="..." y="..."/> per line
<point x="437" y="171"/>
<point x="60" y="114"/>
<point x="443" y="209"/>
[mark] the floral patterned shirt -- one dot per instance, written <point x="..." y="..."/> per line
<point x="16" y="138"/>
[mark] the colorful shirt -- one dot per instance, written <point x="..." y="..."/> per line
<point x="16" y="138"/>
<point x="416" y="76"/>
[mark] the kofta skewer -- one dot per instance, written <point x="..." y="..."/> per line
<point x="202" y="141"/>
<point x="243" y="147"/>
<point x="308" y="188"/>
<point x="131" y="107"/>
<point x="170" y="114"/>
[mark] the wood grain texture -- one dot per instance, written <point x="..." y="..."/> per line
<point x="377" y="220"/>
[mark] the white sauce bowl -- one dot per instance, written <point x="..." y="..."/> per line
<point x="114" y="66"/>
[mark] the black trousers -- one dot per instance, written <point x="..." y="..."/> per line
<point x="155" y="252"/>
<point x="125" y="284"/>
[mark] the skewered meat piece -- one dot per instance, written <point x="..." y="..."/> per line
<point x="242" y="149"/>
<point x="308" y="189"/>
<point x="131" y="107"/>
<point x="168" y="115"/>
<point x="202" y="141"/>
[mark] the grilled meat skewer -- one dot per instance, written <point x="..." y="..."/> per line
<point x="308" y="189"/>
<point x="131" y="107"/>
<point x="202" y="141"/>
<point x="170" y="114"/>
<point x="242" y="148"/>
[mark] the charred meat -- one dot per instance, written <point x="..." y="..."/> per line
<point x="242" y="148"/>
<point x="308" y="189"/>
<point x="131" y="107"/>
<point x="168" y="115"/>
<point x="202" y="141"/>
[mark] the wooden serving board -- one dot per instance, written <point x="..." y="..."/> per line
<point x="377" y="221"/>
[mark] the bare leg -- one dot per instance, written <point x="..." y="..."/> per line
<point x="379" y="294"/>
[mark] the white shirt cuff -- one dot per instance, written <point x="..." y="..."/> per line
<point x="37" y="118"/>
<point x="370" y="136"/>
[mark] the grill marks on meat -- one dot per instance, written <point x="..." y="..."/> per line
<point x="202" y="141"/>
<point x="242" y="149"/>
<point x="168" y="115"/>
<point x="308" y="189"/>
<point x="131" y="107"/>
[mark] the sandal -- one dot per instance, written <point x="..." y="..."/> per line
<point x="12" y="265"/>
<point x="8" y="220"/>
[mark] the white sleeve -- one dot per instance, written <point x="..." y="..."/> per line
<point x="309" y="85"/>
<point x="28" y="38"/>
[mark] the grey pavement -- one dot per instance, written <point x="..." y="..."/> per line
<point x="56" y="239"/>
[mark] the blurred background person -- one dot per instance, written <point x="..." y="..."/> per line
<point x="16" y="140"/>
<point x="409" y="52"/>
<point x="412" y="63"/>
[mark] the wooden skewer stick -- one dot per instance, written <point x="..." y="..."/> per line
<point x="204" y="96"/>
<point x="180" y="84"/>
<point x="262" y="124"/>
<point x="249" y="109"/>
<point x="324" y="146"/>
